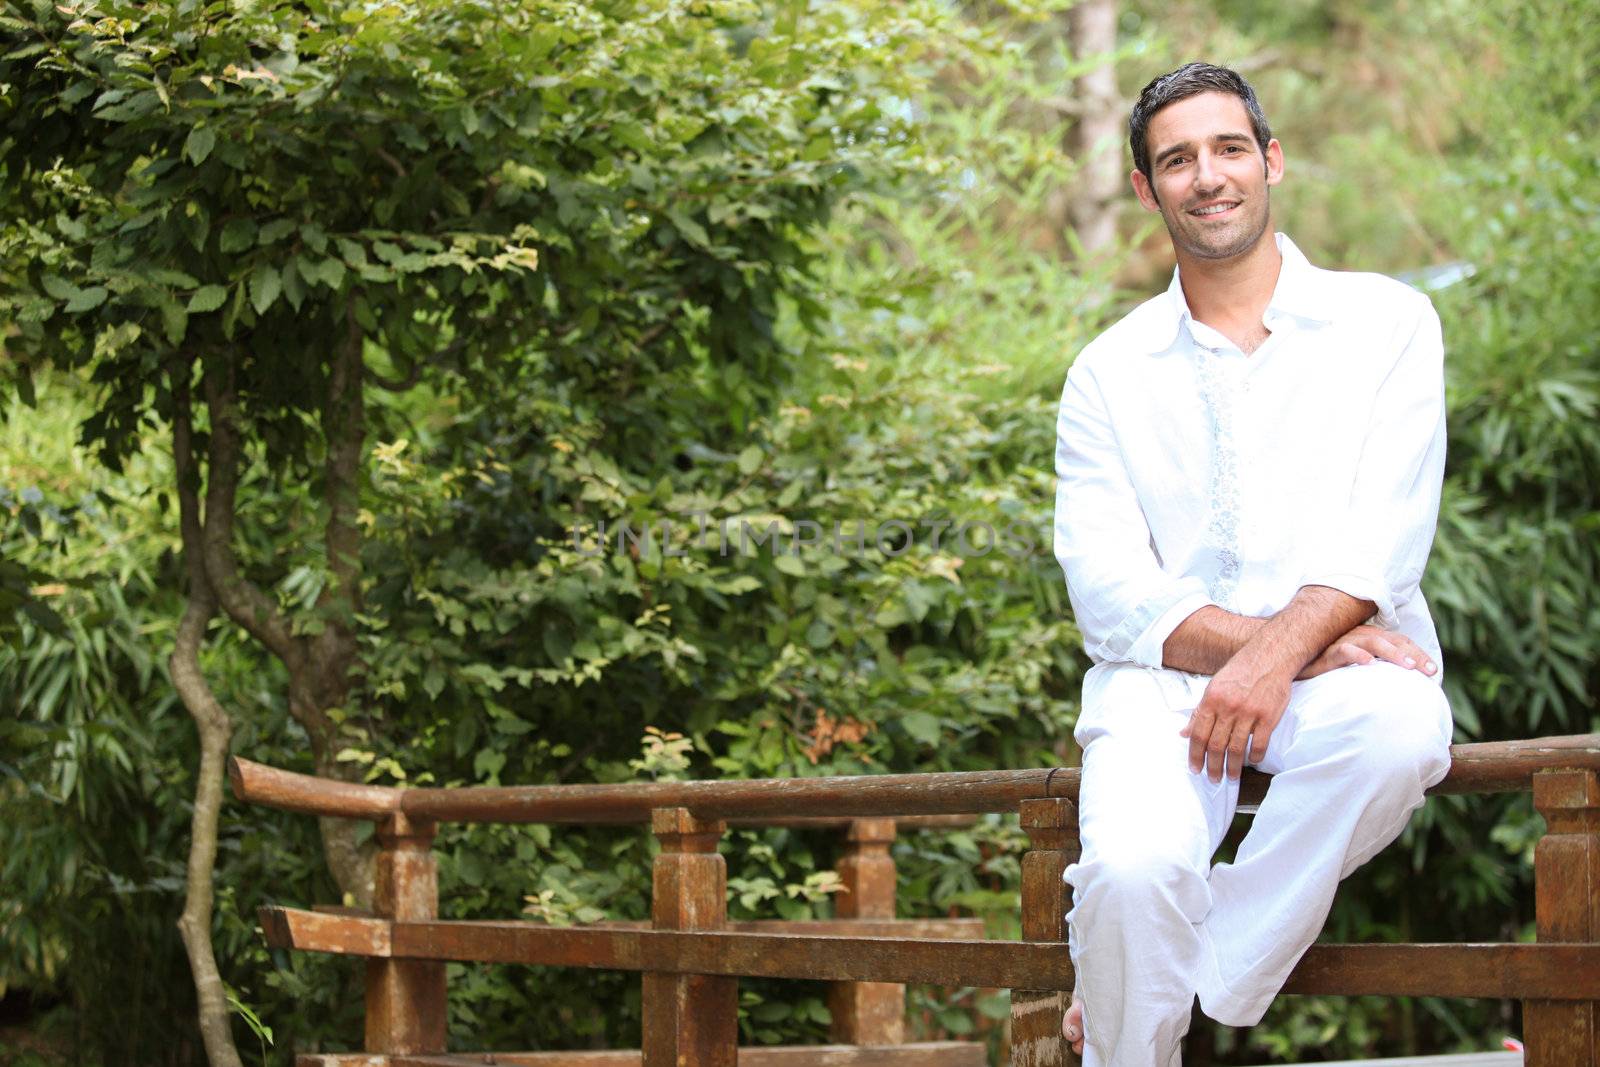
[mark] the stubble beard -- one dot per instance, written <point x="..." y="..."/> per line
<point x="1225" y="243"/>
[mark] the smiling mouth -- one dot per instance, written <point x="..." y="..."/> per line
<point x="1215" y="211"/>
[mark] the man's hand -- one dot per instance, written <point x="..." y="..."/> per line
<point x="1241" y="705"/>
<point x="1364" y="644"/>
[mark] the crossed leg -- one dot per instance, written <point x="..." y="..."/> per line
<point x="1152" y="924"/>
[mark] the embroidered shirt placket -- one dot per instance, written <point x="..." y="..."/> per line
<point x="1221" y="382"/>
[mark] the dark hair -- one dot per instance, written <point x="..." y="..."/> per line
<point x="1191" y="79"/>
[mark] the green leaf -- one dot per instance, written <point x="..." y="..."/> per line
<point x="174" y="320"/>
<point x="265" y="284"/>
<point x="330" y="272"/>
<point x="353" y="253"/>
<point x="790" y="565"/>
<point x="238" y="235"/>
<point x="59" y="287"/>
<point x="750" y="460"/>
<point x="198" y="145"/>
<point x="207" y="298"/>
<point x="294" y="288"/>
<point x="921" y="726"/>
<point x="87" y="299"/>
<point x="690" y="229"/>
<point x="275" y="230"/>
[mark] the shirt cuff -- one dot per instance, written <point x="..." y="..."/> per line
<point x="1150" y="648"/>
<point x="1139" y="637"/>
<point x="1362" y="587"/>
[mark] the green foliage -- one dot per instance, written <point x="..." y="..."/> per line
<point x="793" y="267"/>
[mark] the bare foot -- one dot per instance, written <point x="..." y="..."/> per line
<point x="1072" y="1026"/>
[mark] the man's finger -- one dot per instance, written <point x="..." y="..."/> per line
<point x="1236" y="746"/>
<point x="1217" y="748"/>
<point x="1414" y="650"/>
<point x="1354" y="654"/>
<point x="1199" y="736"/>
<point x="1259" y="738"/>
<point x="1387" y="650"/>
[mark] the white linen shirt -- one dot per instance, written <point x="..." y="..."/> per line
<point x="1189" y="473"/>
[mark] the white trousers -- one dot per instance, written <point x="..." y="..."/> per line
<point x="1153" y="925"/>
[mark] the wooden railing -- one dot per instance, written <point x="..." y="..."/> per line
<point x="690" y="955"/>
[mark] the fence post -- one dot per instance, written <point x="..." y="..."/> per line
<point x="406" y="998"/>
<point x="867" y="1013"/>
<point x="1566" y="873"/>
<point x="1036" y="1014"/>
<point x="690" y="1020"/>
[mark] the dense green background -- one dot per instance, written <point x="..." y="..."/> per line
<point x="795" y="263"/>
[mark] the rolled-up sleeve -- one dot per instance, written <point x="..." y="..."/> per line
<point x="1380" y="547"/>
<point x="1126" y="605"/>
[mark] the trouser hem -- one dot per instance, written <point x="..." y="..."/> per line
<point x="1221" y="1003"/>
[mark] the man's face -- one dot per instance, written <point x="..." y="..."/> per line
<point x="1209" y="178"/>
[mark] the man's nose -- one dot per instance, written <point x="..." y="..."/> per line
<point x="1206" y="175"/>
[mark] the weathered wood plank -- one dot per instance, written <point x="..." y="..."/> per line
<point x="1490" y="971"/>
<point x="1549" y="970"/>
<point x="842" y="822"/>
<point x="1036" y="1014"/>
<point x="316" y="931"/>
<point x="1489" y="767"/>
<point x="405" y="998"/>
<point x="1546" y="971"/>
<point x="1566" y="908"/>
<point x="861" y="796"/>
<point x="968" y="929"/>
<point x="349" y="932"/>
<point x="257" y="783"/>
<point x="690" y="1017"/>
<point x="915" y="1054"/>
<point x="867" y="1013"/>
<point x="1462" y="1059"/>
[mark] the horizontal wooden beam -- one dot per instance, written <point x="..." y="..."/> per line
<point x="840" y="822"/>
<point x="953" y="793"/>
<point x="1489" y="767"/>
<point x="257" y="783"/>
<point x="320" y="931"/>
<point x="1551" y="971"/>
<point x="914" y="1054"/>
<point x="350" y="932"/>
<point x="959" y="929"/>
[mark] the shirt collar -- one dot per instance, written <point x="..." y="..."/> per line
<point x="1296" y="293"/>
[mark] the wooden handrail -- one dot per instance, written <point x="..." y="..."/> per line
<point x="1485" y="767"/>
<point x="690" y="955"/>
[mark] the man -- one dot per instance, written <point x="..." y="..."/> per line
<point x="1249" y="469"/>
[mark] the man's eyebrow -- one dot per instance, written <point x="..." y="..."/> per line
<point x="1188" y="146"/>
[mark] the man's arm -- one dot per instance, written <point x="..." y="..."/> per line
<point x="1205" y="642"/>
<point x="1319" y="630"/>
<point x="1125" y="604"/>
<point x="1248" y="695"/>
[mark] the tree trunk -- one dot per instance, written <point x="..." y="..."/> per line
<point x="319" y="668"/>
<point x="215" y="729"/>
<point x="1095" y="140"/>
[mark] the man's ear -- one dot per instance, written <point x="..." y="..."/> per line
<point x="1274" y="162"/>
<point x="1145" y="191"/>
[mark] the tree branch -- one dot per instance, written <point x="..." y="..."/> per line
<point x="344" y="423"/>
<point x="244" y="602"/>
<point x="216" y="730"/>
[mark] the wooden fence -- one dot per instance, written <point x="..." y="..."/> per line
<point x="690" y="956"/>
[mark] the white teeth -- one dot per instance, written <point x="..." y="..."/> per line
<point x="1213" y="210"/>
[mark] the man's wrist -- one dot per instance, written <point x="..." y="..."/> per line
<point x="1266" y="659"/>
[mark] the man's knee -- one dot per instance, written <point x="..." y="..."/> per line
<point x="1138" y="875"/>
<point x="1402" y="729"/>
